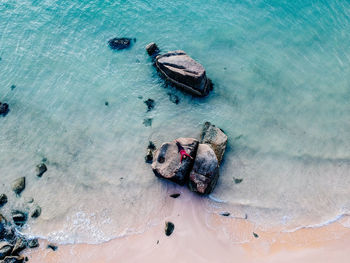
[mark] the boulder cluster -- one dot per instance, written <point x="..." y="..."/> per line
<point x="200" y="171"/>
<point x="12" y="242"/>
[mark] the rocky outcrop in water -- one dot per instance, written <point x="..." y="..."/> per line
<point x="216" y="138"/>
<point x="120" y="43"/>
<point x="205" y="172"/>
<point x="201" y="173"/>
<point x="167" y="163"/>
<point x="181" y="70"/>
<point x="152" y="49"/>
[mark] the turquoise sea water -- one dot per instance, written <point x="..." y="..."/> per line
<point x="282" y="92"/>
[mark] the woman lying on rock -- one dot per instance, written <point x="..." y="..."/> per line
<point x="182" y="151"/>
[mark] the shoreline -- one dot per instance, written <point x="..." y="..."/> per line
<point x="193" y="239"/>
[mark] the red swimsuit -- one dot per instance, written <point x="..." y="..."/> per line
<point x="182" y="151"/>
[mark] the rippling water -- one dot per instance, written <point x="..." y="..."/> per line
<point x="282" y="91"/>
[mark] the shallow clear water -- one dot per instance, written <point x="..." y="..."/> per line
<point x="282" y="91"/>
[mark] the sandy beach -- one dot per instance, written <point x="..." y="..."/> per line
<point x="193" y="241"/>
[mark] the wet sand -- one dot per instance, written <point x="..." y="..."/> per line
<point x="194" y="240"/>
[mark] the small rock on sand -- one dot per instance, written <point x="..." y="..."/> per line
<point x="18" y="185"/>
<point x="169" y="228"/>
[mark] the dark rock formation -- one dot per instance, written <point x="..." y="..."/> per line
<point x="183" y="72"/>
<point x="152" y="49"/>
<point x="40" y="169"/>
<point x="52" y="246"/>
<point x="3" y="199"/>
<point x="216" y="138"/>
<point x="150" y="104"/>
<point x="18" y="185"/>
<point x="150" y="149"/>
<point x="4" y="108"/>
<point x="149" y="156"/>
<point x="169" y="228"/>
<point x="205" y="172"/>
<point x="174" y="195"/>
<point x="13" y="259"/>
<point x="19" y="218"/>
<point x="5" y="249"/>
<point x="20" y="245"/>
<point x="166" y="162"/>
<point x="119" y="43"/>
<point x="36" y="212"/>
<point x="33" y="243"/>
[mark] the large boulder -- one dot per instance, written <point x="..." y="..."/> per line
<point x="166" y="161"/>
<point x="205" y="172"/>
<point x="183" y="72"/>
<point x="216" y="138"/>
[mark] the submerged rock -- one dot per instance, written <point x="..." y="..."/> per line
<point x="40" y="169"/>
<point x="5" y="249"/>
<point x="152" y="49"/>
<point x="216" y="138"/>
<point x="150" y="104"/>
<point x="166" y="162"/>
<point x="119" y="43"/>
<point x="18" y="185"/>
<point x="3" y="200"/>
<point x="169" y="228"/>
<point x="184" y="72"/>
<point x="147" y="122"/>
<point x="174" y="98"/>
<point x="205" y="172"/>
<point x="19" y="218"/>
<point x="4" y="108"/>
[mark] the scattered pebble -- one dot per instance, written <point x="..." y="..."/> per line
<point x="255" y="235"/>
<point x="40" y="169"/>
<point x="237" y="180"/>
<point x="174" y="195"/>
<point x="169" y="228"/>
<point x="225" y="214"/>
<point x="36" y="212"/>
<point x="52" y="246"/>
